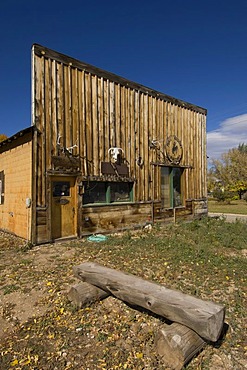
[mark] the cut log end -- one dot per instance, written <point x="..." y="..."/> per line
<point x="216" y="324"/>
<point x="177" y="345"/>
<point x="84" y="294"/>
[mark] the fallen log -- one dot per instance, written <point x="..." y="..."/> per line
<point x="204" y="317"/>
<point x="84" y="294"/>
<point x="177" y="345"/>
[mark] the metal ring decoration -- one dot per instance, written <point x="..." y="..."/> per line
<point x="139" y="161"/>
<point x="174" y="149"/>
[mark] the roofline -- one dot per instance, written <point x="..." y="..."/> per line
<point x="43" y="51"/>
<point x="17" y="135"/>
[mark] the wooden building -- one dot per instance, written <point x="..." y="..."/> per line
<point x="103" y="153"/>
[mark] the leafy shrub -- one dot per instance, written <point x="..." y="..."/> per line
<point x="222" y="196"/>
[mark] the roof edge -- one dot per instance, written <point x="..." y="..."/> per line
<point x="17" y="135"/>
<point x="45" y="52"/>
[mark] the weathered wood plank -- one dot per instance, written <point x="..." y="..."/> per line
<point x="112" y="123"/>
<point x="204" y="317"/>
<point x="140" y="178"/>
<point x="60" y="108"/>
<point x="95" y="125"/>
<point x="75" y="111"/>
<point x="107" y="140"/>
<point x="101" y="120"/>
<point x="89" y="128"/>
<point x="177" y="345"/>
<point x="122" y="118"/>
<point x="146" y="148"/>
<point x="132" y="153"/>
<point x="67" y="107"/>
<point x="83" y="146"/>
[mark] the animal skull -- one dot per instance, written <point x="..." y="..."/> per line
<point x="115" y="153"/>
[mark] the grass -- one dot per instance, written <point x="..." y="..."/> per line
<point x="204" y="258"/>
<point x="7" y="289"/>
<point x="235" y="207"/>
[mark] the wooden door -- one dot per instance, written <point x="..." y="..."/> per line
<point x="63" y="207"/>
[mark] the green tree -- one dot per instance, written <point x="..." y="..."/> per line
<point x="242" y="148"/>
<point x="3" y="137"/>
<point x="230" y="171"/>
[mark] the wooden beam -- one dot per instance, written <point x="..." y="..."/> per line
<point x="204" y="317"/>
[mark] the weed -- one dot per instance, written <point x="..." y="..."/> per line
<point x="26" y="247"/>
<point x="7" y="289"/>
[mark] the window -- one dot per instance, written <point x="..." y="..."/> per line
<point x="61" y="189"/>
<point x="1" y="187"/>
<point x="94" y="192"/>
<point x="120" y="192"/>
<point x="107" y="192"/>
<point x="171" y="194"/>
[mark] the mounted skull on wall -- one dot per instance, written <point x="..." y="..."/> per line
<point x="116" y="154"/>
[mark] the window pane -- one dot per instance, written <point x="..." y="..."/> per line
<point x="120" y="191"/>
<point x="95" y="192"/>
<point x="171" y="187"/>
<point x="165" y="187"/>
<point x="61" y="188"/>
<point x="177" y="199"/>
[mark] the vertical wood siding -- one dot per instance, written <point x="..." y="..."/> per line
<point x="76" y="105"/>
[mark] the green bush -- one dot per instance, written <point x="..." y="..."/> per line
<point x="222" y="195"/>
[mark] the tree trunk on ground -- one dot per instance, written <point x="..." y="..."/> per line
<point x="204" y="317"/>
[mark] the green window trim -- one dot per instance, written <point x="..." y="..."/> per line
<point x="100" y="192"/>
<point x="171" y="189"/>
<point x="108" y="193"/>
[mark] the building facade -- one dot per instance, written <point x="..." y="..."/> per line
<point x="103" y="153"/>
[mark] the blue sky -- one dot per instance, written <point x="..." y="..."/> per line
<point x="195" y="51"/>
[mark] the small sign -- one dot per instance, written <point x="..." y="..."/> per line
<point x="62" y="201"/>
<point x="174" y="150"/>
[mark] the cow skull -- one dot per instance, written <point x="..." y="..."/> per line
<point x="115" y="153"/>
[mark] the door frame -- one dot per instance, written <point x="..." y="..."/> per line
<point x="64" y="177"/>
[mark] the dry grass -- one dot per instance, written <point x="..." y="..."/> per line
<point x="42" y="330"/>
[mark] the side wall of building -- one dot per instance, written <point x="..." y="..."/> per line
<point x="16" y="166"/>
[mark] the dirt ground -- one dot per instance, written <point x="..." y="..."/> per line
<point x="34" y="283"/>
<point x="22" y="297"/>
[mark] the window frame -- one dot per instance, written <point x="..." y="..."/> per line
<point x="169" y="202"/>
<point x="60" y="184"/>
<point x="108" y="193"/>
